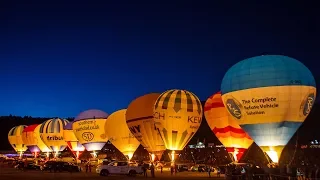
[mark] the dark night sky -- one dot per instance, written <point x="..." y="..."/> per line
<point x="58" y="59"/>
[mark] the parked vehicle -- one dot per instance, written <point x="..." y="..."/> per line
<point x="119" y="167"/>
<point x="61" y="166"/>
<point x="182" y="167"/>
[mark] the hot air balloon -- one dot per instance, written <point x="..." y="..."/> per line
<point x="40" y="144"/>
<point x="120" y="135"/>
<point x="71" y="139"/>
<point x="140" y="121"/>
<point x="29" y="139"/>
<point x="226" y="129"/>
<point x="270" y="96"/>
<point x="88" y="127"/>
<point x="15" y="139"/>
<point x="178" y="115"/>
<point x="51" y="133"/>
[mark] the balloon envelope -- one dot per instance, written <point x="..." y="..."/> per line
<point x="15" y="138"/>
<point x="51" y="132"/>
<point x="71" y="138"/>
<point x="270" y="96"/>
<point x="29" y="138"/>
<point x="88" y="127"/>
<point x="226" y="129"/>
<point x="139" y="117"/>
<point x="119" y="133"/>
<point x="177" y="115"/>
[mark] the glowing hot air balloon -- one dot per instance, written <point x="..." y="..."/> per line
<point x="71" y="139"/>
<point x="140" y="121"/>
<point x="120" y="135"/>
<point x="43" y="147"/>
<point x="15" y="139"/>
<point x="30" y="140"/>
<point x="270" y="96"/>
<point x="226" y="129"/>
<point x="178" y="115"/>
<point x="51" y="132"/>
<point x="88" y="127"/>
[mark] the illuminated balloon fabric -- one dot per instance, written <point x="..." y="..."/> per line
<point x="88" y="127"/>
<point x="71" y="138"/>
<point x="41" y="145"/>
<point x="51" y="132"/>
<point x="15" y="138"/>
<point x="29" y="139"/>
<point x="139" y="117"/>
<point x="119" y="133"/>
<point x="177" y="115"/>
<point x="270" y="96"/>
<point x="226" y="129"/>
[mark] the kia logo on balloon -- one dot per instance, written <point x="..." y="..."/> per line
<point x="233" y="108"/>
<point x="307" y="104"/>
<point x="87" y="136"/>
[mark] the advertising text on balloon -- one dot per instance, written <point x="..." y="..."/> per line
<point x="87" y="136"/>
<point x="54" y="138"/>
<point x="233" y="108"/>
<point x="308" y="103"/>
<point x="259" y="104"/>
<point x="194" y="119"/>
<point x="135" y="129"/>
<point x="159" y="115"/>
<point x="194" y="127"/>
<point x="87" y="125"/>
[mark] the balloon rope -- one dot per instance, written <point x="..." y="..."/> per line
<point x="295" y="150"/>
<point x="247" y="152"/>
<point x="266" y="156"/>
<point x="230" y="156"/>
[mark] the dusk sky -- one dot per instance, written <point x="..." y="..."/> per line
<point x="58" y="59"/>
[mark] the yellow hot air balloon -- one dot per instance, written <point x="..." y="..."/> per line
<point x="140" y="121"/>
<point x="178" y="115"/>
<point x="120" y="135"/>
<point x="15" y="139"/>
<point x="88" y="127"/>
<point x="270" y="96"/>
<point x="51" y="132"/>
<point x="40" y="144"/>
<point x="72" y="140"/>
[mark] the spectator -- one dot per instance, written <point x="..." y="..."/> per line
<point x="152" y="170"/>
<point x="144" y="169"/>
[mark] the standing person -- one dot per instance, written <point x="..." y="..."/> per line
<point x="54" y="165"/>
<point x="171" y="170"/>
<point x="161" y="167"/>
<point x="175" y="168"/>
<point x="218" y="172"/>
<point x="209" y="171"/>
<point x="152" y="170"/>
<point x="25" y="164"/>
<point x="144" y="171"/>
<point x="89" y="166"/>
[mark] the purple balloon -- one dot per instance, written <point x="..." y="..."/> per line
<point x="91" y="114"/>
<point x="68" y="126"/>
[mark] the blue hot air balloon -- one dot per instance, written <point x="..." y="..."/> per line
<point x="270" y="96"/>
